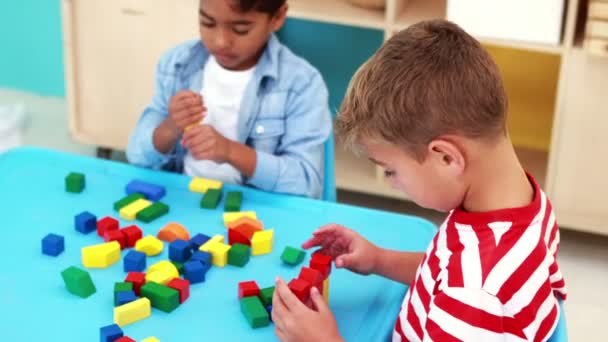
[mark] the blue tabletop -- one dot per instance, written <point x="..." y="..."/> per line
<point x="35" y="305"/>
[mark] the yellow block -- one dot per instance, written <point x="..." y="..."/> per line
<point x="101" y="256"/>
<point x="219" y="254"/>
<point x="206" y="247"/>
<point x="261" y="242"/>
<point x="132" y="312"/>
<point x="326" y="290"/>
<point x="149" y="245"/>
<point x="231" y="217"/>
<point x="201" y="185"/>
<point x="150" y="339"/>
<point x="130" y="211"/>
<point x="165" y="266"/>
<point x="159" y="277"/>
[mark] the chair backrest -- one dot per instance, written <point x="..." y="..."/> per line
<point x="329" y="167"/>
<point x="561" y="332"/>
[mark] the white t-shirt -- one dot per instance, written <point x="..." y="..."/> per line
<point x="222" y="92"/>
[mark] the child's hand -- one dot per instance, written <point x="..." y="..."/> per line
<point x="295" y="322"/>
<point x="205" y="143"/>
<point x="348" y="249"/>
<point x="186" y="108"/>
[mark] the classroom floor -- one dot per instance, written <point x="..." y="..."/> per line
<point x="582" y="257"/>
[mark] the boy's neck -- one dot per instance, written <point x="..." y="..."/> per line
<point x="497" y="180"/>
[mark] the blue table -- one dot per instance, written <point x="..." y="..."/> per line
<point x="35" y="305"/>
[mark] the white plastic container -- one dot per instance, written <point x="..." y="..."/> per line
<point x="532" y="21"/>
<point x="12" y="118"/>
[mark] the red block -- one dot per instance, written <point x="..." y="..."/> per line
<point x="313" y="276"/>
<point x="182" y="286"/>
<point x="138" y="279"/>
<point x="125" y="339"/>
<point x="106" y="224"/>
<point x="248" y="289"/>
<point x="132" y="234"/>
<point x="235" y="236"/>
<point x="301" y="288"/>
<point x="116" y="235"/>
<point x="321" y="263"/>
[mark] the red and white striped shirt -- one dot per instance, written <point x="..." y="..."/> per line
<point x="487" y="277"/>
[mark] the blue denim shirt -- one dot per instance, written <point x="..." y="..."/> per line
<point x="284" y="116"/>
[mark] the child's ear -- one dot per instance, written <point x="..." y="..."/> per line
<point x="278" y="19"/>
<point x="447" y="153"/>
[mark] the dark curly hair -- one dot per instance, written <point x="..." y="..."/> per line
<point x="266" y="6"/>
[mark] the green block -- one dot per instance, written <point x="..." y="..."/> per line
<point x="233" y="201"/>
<point x="254" y="312"/>
<point x="78" y="281"/>
<point x="179" y="266"/>
<point x="153" y="212"/>
<point x="75" y="182"/>
<point x="125" y="201"/>
<point x="292" y="256"/>
<point x="266" y="296"/>
<point x="161" y="297"/>
<point x="238" y="255"/>
<point x="211" y="199"/>
<point x="121" y="287"/>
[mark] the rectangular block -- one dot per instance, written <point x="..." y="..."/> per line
<point x="125" y="201"/>
<point x="153" y="212"/>
<point x="266" y="295"/>
<point x="201" y="185"/>
<point x="101" y="256"/>
<point x="162" y="297"/>
<point x="231" y="217"/>
<point x="234" y="200"/>
<point x="152" y="192"/>
<point x="129" y="212"/>
<point x="132" y="312"/>
<point x="254" y="312"/>
<point x="211" y="199"/>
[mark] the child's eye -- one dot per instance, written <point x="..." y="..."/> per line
<point x="209" y="25"/>
<point x="240" y="32"/>
<point x="389" y="173"/>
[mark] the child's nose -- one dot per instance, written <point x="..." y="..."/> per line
<point x="222" y="40"/>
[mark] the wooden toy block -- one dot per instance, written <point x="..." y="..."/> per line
<point x="129" y="212"/>
<point x="162" y="297"/>
<point x="159" y="277"/>
<point x="292" y="256"/>
<point x="125" y="201"/>
<point x="301" y="288"/>
<point x="125" y="339"/>
<point x="138" y="279"/>
<point x="75" y="182"/>
<point x="182" y="286"/>
<point x="116" y="235"/>
<point x="198" y="240"/>
<point x="53" y="245"/>
<point x="234" y="199"/>
<point x="238" y="255"/>
<point x="125" y="297"/>
<point x="195" y="271"/>
<point x="150" y="339"/>
<point x="247" y="226"/>
<point x="262" y="242"/>
<point x="269" y="310"/>
<point x="313" y="276"/>
<point x="248" y="289"/>
<point x="254" y="312"/>
<point x="173" y="231"/>
<point x="134" y="261"/>
<point x="121" y="287"/>
<point x="132" y="312"/>
<point x="266" y="295"/>
<point x="151" y="191"/>
<point x="219" y="254"/>
<point x="201" y="185"/>
<point x="106" y="224"/>
<point x="211" y="199"/>
<point x="110" y="333"/>
<point x="322" y="263"/>
<point x="206" y="247"/>
<point x="78" y="282"/>
<point x="180" y="250"/>
<point x="132" y="235"/>
<point x="204" y="257"/>
<point x="85" y="222"/>
<point x="149" y="245"/>
<point x="179" y="266"/>
<point x="231" y="217"/>
<point x="152" y="212"/>
<point x="235" y="236"/>
<point x="326" y="290"/>
<point x="101" y="256"/>
<point x="164" y="266"/>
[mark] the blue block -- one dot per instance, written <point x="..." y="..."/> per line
<point x="134" y="261"/>
<point x="53" y="245"/>
<point x="194" y="271"/>
<point x="198" y="240"/>
<point x="110" y="333"/>
<point x="180" y="250"/>
<point x="152" y="192"/>
<point x="125" y="297"/>
<point x="201" y="256"/>
<point x="85" y="222"/>
<point x="269" y="310"/>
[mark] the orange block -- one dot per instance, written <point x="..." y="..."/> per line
<point x="246" y="226"/>
<point x="173" y="231"/>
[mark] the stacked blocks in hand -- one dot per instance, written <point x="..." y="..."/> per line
<point x="75" y="182"/>
<point x="53" y="244"/>
<point x="78" y="282"/>
<point x="151" y="191"/>
<point x="134" y="261"/>
<point x="85" y="222"/>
